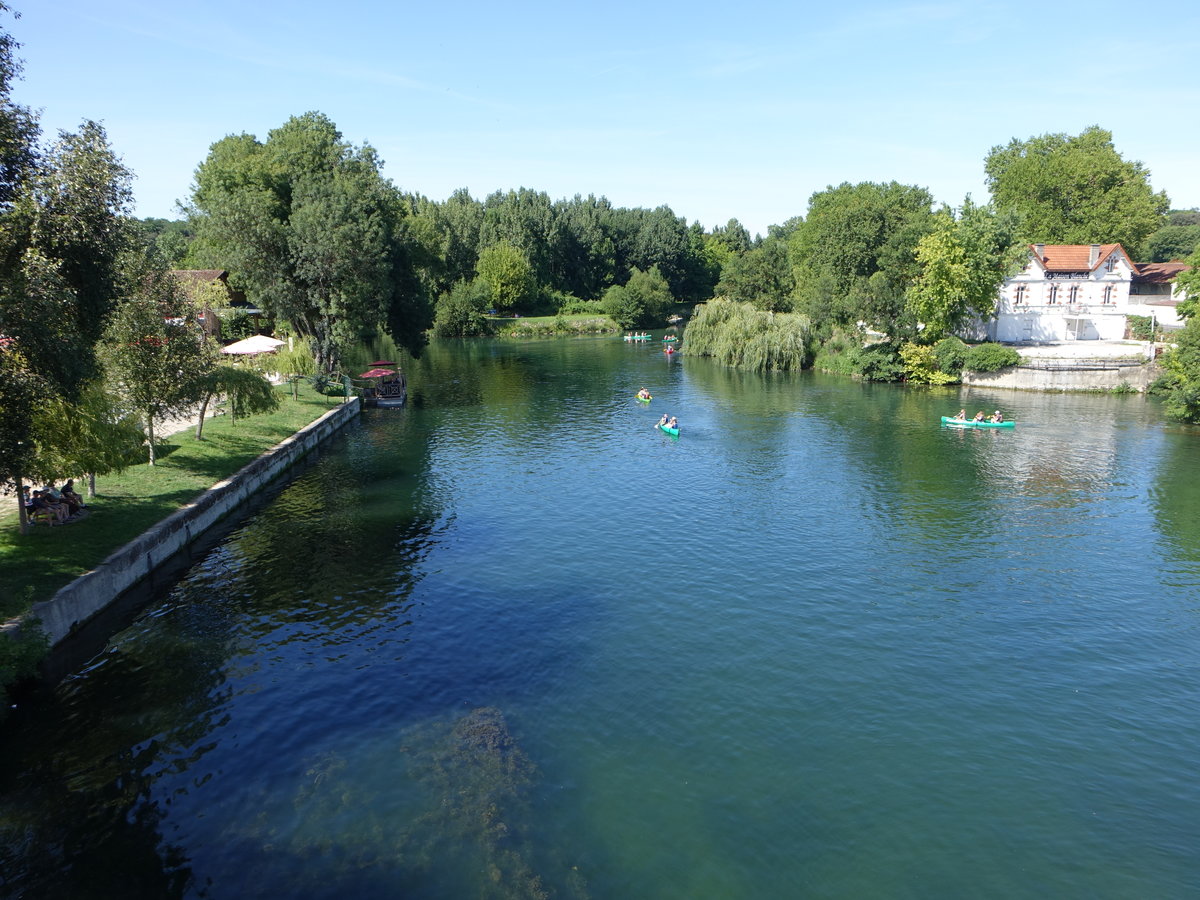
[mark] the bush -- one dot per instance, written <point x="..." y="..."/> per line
<point x="460" y="311"/>
<point x="573" y="306"/>
<point x="844" y="354"/>
<point x="237" y="325"/>
<point x="921" y="366"/>
<point x="990" y="358"/>
<point x="951" y="354"/>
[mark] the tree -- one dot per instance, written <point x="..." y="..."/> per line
<point x="1188" y="284"/>
<point x="1075" y="190"/>
<point x="155" y="352"/>
<point x="1182" y="364"/>
<point x="852" y="233"/>
<point x="313" y="233"/>
<point x="93" y="435"/>
<point x="1173" y="242"/>
<point x="762" y="276"/>
<point x="460" y="311"/>
<point x="644" y="300"/>
<point x="246" y="393"/>
<point x="963" y="261"/>
<point x="508" y="275"/>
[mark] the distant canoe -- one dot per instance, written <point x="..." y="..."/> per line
<point x="642" y="399"/>
<point x="971" y="423"/>
<point x="674" y="432"/>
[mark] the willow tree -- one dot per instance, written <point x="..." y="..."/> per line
<point x="312" y="232"/>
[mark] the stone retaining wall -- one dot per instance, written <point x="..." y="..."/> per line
<point x="139" y="560"/>
<point x="1066" y="375"/>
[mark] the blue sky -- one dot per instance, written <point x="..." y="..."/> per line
<point x="718" y="110"/>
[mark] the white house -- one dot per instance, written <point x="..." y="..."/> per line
<point x="1082" y="292"/>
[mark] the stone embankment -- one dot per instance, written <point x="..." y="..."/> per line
<point x="139" y="561"/>
<point x="1075" y="366"/>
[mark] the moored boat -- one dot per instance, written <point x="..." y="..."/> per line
<point x="971" y="423"/>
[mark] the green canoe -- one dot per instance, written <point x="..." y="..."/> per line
<point x="671" y="431"/>
<point x="971" y="423"/>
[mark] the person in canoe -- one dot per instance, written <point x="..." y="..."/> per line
<point x="996" y="417"/>
<point x="674" y="423"/>
<point x="961" y="414"/>
<point x="663" y="420"/>
<point x="643" y="394"/>
<point x="979" y="416"/>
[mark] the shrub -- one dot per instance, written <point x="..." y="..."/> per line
<point x="990" y="358"/>
<point x="844" y="354"/>
<point x="921" y="366"/>
<point x="460" y="311"/>
<point x="573" y="306"/>
<point x="951" y="354"/>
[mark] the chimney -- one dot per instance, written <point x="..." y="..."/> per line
<point x="1040" y="250"/>
<point x="1093" y="255"/>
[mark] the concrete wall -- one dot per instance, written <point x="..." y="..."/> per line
<point x="1062" y="376"/>
<point x="137" y="561"/>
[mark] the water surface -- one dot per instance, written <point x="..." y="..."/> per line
<point x="513" y="641"/>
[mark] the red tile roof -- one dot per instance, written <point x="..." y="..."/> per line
<point x="1072" y="257"/>
<point x="1158" y="273"/>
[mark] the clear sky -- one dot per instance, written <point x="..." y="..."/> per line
<point x="718" y="110"/>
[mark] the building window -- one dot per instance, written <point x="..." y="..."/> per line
<point x="1053" y="294"/>
<point x="1074" y="294"/>
<point x="1020" y="298"/>
<point x="1108" y="293"/>
<point x="1112" y="263"/>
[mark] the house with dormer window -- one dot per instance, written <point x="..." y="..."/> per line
<point x="1081" y="292"/>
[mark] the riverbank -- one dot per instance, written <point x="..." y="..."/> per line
<point x="35" y="565"/>
<point x="1075" y="366"/>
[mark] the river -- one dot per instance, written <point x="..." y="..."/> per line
<point x="512" y="641"/>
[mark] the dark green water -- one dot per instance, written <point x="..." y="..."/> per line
<point x="514" y="642"/>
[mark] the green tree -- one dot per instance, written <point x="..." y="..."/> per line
<point x="762" y="276"/>
<point x="1173" y="242"/>
<point x="93" y="435"/>
<point x="308" y="225"/>
<point x="1075" y="190"/>
<point x="508" y="275"/>
<point x="1188" y="284"/>
<point x="852" y="233"/>
<point x="643" y="301"/>
<point x="963" y="261"/>
<point x="246" y="393"/>
<point x="155" y="352"/>
<point x="1182" y="365"/>
<point x="460" y="311"/>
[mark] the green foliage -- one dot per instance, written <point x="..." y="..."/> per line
<point x="990" y="358"/>
<point x="22" y="394"/>
<point x="237" y="325"/>
<point x="963" y="260"/>
<point x="507" y="275"/>
<point x="314" y="234"/>
<point x="1172" y="242"/>
<point x="155" y="352"/>
<point x="951" y="355"/>
<point x="852" y="233"/>
<point x="844" y="353"/>
<point x="762" y="276"/>
<point x="880" y="362"/>
<point x="1140" y="327"/>
<point x="94" y="435"/>
<point x="460" y="311"/>
<point x="582" y="307"/>
<point x="921" y="366"/>
<point x="1182" y="380"/>
<point x="1075" y="190"/>
<point x="739" y="334"/>
<point x="1188" y="284"/>
<point x="644" y="301"/>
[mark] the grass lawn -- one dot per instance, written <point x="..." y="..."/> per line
<point x="35" y="565"/>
